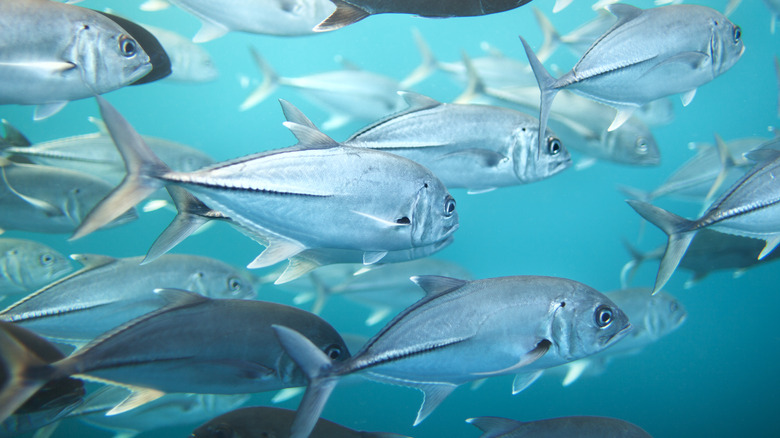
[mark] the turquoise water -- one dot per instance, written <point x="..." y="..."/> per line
<point x="715" y="376"/>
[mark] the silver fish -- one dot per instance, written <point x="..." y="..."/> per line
<point x="107" y="292"/>
<point x="477" y="147"/>
<point x="563" y="427"/>
<point x="46" y="199"/>
<point x="259" y="421"/>
<point x="578" y="40"/>
<point x="348" y="94"/>
<point x="749" y="208"/>
<point x="625" y="68"/>
<point x="52" y="53"/>
<point x="26" y="265"/>
<point x="267" y="17"/>
<point x="390" y="202"/>
<point x="195" y="345"/>
<point x="189" y="61"/>
<point x="464" y="331"/>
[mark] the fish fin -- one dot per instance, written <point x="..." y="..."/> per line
<point x="92" y="261"/>
<point x="585" y="163"/>
<point x="635" y="193"/>
<point x="384" y="222"/>
<point x="143" y="168"/>
<point x="336" y="121"/>
<point x="377" y="315"/>
<point x="623" y="11"/>
<point x="476" y="384"/>
<point x="294" y="115"/>
<point x="154" y="205"/>
<point x="154" y="5"/>
<point x="209" y="30"/>
<point x="483" y="157"/>
<point x="287" y="394"/>
<point x="418" y="101"/>
<point x="310" y="137"/>
<point x="731" y="6"/>
<point x="762" y="155"/>
<point x="738" y="273"/>
<point x="475" y="87"/>
<point x="297" y="267"/>
<point x="138" y="397"/>
<point x="344" y="15"/>
<point x="433" y="395"/>
<point x="574" y="370"/>
<point x="687" y="97"/>
<point x="623" y="114"/>
<point x="23" y="372"/>
<point x="629" y="269"/>
<point x="479" y="191"/>
<point x="560" y="5"/>
<point x="552" y="39"/>
<point x="532" y="356"/>
<point x="278" y="249"/>
<point x="726" y="163"/>
<point x="49" y="209"/>
<point x="437" y="285"/>
<point x="427" y="66"/>
<point x="303" y="298"/>
<point x="46" y="110"/>
<point x="13" y="137"/>
<point x="371" y="257"/>
<point x="318" y="369"/>
<point x="546" y="88"/>
<point x="524" y="380"/>
<point x="48" y="430"/>
<point x="189" y="218"/>
<point x="269" y="85"/>
<point x="494" y="427"/>
<point x="771" y="244"/>
<point x="680" y="231"/>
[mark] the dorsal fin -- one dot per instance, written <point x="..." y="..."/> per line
<point x="294" y="115"/>
<point x="494" y="426"/>
<point x="13" y="137"/>
<point x="436" y="284"/>
<point x="92" y="261"/>
<point x="418" y="101"/>
<point x="309" y="137"/>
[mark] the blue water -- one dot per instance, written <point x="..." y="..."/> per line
<point x="716" y="376"/>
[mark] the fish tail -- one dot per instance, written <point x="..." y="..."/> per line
<point x="143" y="168"/>
<point x="269" y="85"/>
<point x="552" y="39"/>
<point x="629" y="269"/>
<point x="318" y="369"/>
<point x="427" y="66"/>
<point x="635" y="193"/>
<point x="547" y="90"/>
<point x="475" y="86"/>
<point x="680" y="231"/>
<point x="25" y="373"/>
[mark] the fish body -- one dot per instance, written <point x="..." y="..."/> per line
<point x="52" y="53"/>
<point x="351" y="11"/>
<point x="26" y="265"/>
<point x="464" y="331"/>
<point x="577" y="41"/>
<point x="626" y="68"/>
<point x="189" y="61"/>
<point x="108" y="292"/>
<point x="563" y="427"/>
<point x="260" y="421"/>
<point x="46" y="199"/>
<point x="477" y="147"/>
<point x="749" y="208"/>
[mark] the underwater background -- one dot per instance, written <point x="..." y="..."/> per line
<point x="715" y="376"/>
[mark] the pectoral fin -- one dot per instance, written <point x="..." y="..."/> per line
<point x="687" y="97"/>
<point x="39" y="204"/>
<point x="574" y="371"/>
<point x="371" y="257"/>
<point x="278" y="249"/>
<point x="529" y="358"/>
<point x="623" y="113"/>
<point x="139" y="396"/>
<point x="771" y="243"/>
<point x="524" y="380"/>
<point x="47" y="110"/>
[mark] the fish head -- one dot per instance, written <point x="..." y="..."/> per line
<point x="79" y="201"/>
<point x="215" y="279"/>
<point x="664" y="315"/>
<point x="585" y="322"/>
<point x="632" y="143"/>
<point x="48" y="265"/>
<point x="433" y="217"/>
<point x="107" y="56"/>
<point x="726" y="46"/>
<point x="533" y="162"/>
<point x="321" y="334"/>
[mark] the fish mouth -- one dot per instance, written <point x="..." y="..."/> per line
<point x="618" y="335"/>
<point x="161" y="63"/>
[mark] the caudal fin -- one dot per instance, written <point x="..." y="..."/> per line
<point x="552" y="39"/>
<point x="680" y="231"/>
<point x="142" y="166"/>
<point x="547" y="89"/>
<point x="318" y="369"/>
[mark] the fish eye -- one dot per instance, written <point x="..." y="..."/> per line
<point x="641" y="146"/>
<point x="737" y="34"/>
<point x="603" y="316"/>
<point x="673" y="306"/>
<point x="220" y="431"/>
<point x="47" y="259"/>
<point x="403" y="221"/>
<point x="449" y="206"/>
<point x="333" y="351"/>
<point x="127" y="46"/>
<point x="234" y="284"/>
<point x="553" y="146"/>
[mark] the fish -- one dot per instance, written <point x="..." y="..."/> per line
<point x="562" y="427"/>
<point x="189" y="61"/>
<point x="507" y="325"/>
<point x="108" y="291"/>
<point x="52" y="53"/>
<point x="266" y="17"/>
<point x="476" y="147"/>
<point x="44" y="199"/>
<point x="774" y="10"/>
<point x="577" y="41"/>
<point x="26" y="265"/>
<point x="652" y="318"/>
<point x="351" y="11"/>
<point x="348" y="94"/>
<point x="51" y="402"/>
<point x="391" y="203"/>
<point x="749" y="208"/>
<point x="96" y="154"/>
<point x="261" y="421"/>
<point x="625" y="68"/>
<point x="179" y="348"/>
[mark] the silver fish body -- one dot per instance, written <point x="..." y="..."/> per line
<point x="189" y="61"/>
<point x="26" y="265"/>
<point x="52" y="53"/>
<point x="563" y="427"/>
<point x="108" y="292"/>
<point x="477" y="147"/>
